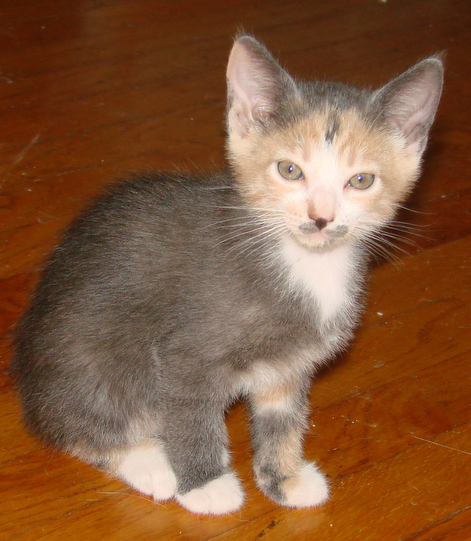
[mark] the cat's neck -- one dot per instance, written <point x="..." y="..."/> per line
<point x="331" y="277"/>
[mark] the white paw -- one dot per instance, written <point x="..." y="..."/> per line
<point x="147" y="470"/>
<point x="218" y="497"/>
<point x="308" y="489"/>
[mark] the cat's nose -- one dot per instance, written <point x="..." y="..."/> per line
<point x="315" y="225"/>
<point x="321" y="223"/>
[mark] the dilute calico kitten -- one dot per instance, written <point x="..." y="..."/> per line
<point x="175" y="295"/>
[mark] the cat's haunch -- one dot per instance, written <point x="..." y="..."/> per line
<point x="172" y="296"/>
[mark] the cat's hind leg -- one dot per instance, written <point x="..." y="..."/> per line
<point x="145" y="468"/>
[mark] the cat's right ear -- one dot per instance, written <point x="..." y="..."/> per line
<point x="409" y="102"/>
<point x="255" y="83"/>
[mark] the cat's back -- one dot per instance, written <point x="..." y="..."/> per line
<point x="138" y="223"/>
<point x="147" y="251"/>
<point x="161" y="202"/>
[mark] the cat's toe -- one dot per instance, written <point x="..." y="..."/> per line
<point x="164" y="485"/>
<point x="218" y="497"/>
<point x="147" y="470"/>
<point x="308" y="489"/>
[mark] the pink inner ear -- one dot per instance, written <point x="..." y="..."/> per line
<point x="237" y="78"/>
<point x="415" y="112"/>
<point x="255" y="83"/>
<point x="414" y="99"/>
<point x="249" y="84"/>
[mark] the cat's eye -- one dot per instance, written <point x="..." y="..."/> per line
<point x="290" y="171"/>
<point x="362" y="181"/>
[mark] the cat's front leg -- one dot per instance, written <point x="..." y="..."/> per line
<point x="196" y="445"/>
<point x="279" y="421"/>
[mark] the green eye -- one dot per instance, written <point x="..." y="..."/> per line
<point x="362" y="181"/>
<point x="290" y="171"/>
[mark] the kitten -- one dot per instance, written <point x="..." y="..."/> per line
<point x="173" y="296"/>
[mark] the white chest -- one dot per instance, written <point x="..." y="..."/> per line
<point x="324" y="275"/>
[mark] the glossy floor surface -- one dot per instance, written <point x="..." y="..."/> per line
<point x="91" y="89"/>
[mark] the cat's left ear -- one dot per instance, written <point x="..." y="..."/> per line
<point x="410" y="101"/>
<point x="256" y="85"/>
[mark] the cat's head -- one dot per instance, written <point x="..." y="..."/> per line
<point x="324" y="161"/>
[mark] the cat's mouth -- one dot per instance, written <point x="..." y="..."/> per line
<point x="311" y="236"/>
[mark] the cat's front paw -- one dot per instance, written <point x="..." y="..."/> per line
<point x="218" y="497"/>
<point x="308" y="489"/>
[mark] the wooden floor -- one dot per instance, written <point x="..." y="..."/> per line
<point x="91" y="89"/>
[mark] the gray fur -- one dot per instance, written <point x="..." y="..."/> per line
<point x="165" y="297"/>
<point x="332" y="128"/>
<point x="145" y="312"/>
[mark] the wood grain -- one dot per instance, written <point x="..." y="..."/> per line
<point x="90" y="90"/>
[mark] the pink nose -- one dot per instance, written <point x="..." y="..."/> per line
<point x="322" y="206"/>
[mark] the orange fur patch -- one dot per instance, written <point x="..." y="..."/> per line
<point x="355" y="148"/>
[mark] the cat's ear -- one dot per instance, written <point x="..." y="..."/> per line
<point x="410" y="101"/>
<point x="256" y="83"/>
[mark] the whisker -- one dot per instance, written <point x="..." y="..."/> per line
<point x="378" y="250"/>
<point x="233" y="222"/>
<point x="254" y="242"/>
<point x="399" y="238"/>
<point x="218" y="187"/>
<point x="240" y="230"/>
<point x="414" y="229"/>
<point x="380" y="245"/>
<point x="259" y="240"/>
<point x="262" y="236"/>
<point x="394" y="223"/>
<point x="404" y="233"/>
<point x="249" y="209"/>
<point x="380" y="240"/>
<point x="415" y="211"/>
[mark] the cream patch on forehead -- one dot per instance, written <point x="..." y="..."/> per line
<point x="329" y="147"/>
<point x="344" y="133"/>
<point x="340" y="139"/>
<point x="328" y="144"/>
